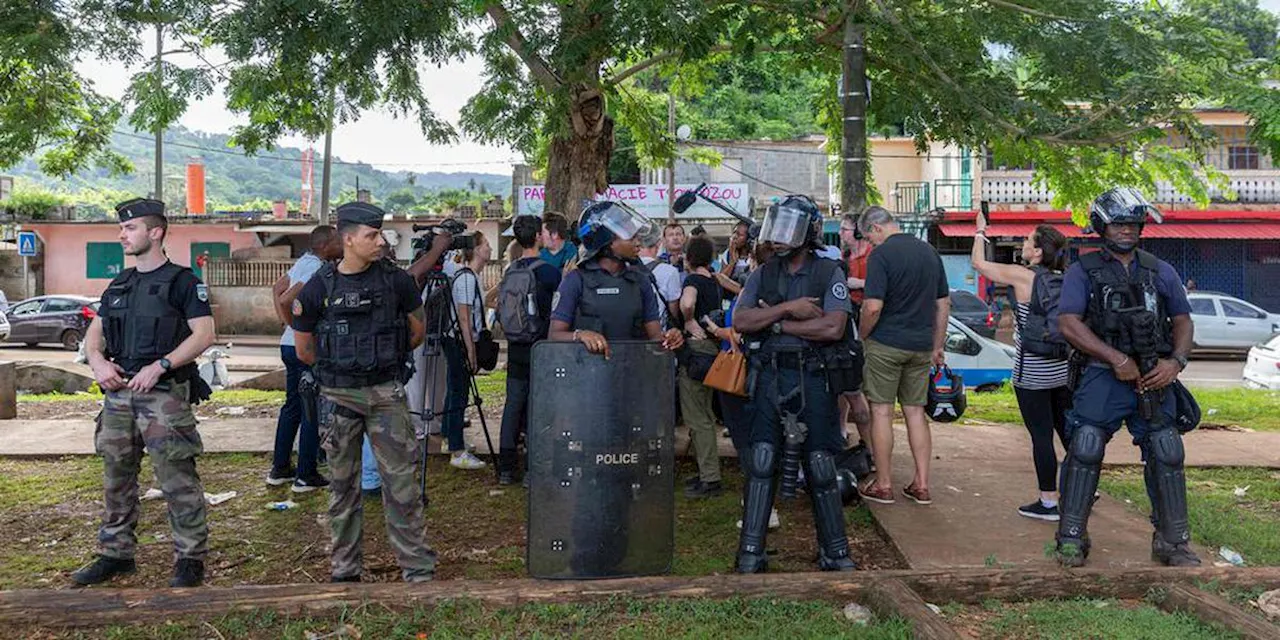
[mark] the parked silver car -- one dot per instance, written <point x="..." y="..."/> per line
<point x="1224" y="322"/>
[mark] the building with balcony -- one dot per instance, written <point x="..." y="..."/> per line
<point x="1232" y="247"/>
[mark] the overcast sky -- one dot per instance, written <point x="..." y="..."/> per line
<point x="377" y="138"/>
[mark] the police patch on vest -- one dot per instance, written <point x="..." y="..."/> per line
<point x="202" y="292"/>
<point x="840" y="291"/>
<point x="608" y="291"/>
<point x="352" y="299"/>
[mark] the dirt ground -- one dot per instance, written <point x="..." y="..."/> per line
<point x="49" y="513"/>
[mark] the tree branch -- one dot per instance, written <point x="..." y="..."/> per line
<point x="1036" y="12"/>
<point x="516" y="41"/>
<point x="667" y="55"/>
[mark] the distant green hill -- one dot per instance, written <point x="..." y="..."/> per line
<point x="232" y="178"/>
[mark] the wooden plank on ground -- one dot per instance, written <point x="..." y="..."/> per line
<point x="105" y="605"/>
<point x="1213" y="609"/>
<point x="892" y="597"/>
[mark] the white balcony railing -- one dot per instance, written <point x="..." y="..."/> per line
<point x="1250" y="188"/>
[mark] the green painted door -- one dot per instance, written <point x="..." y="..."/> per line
<point x="209" y="249"/>
<point x="103" y="260"/>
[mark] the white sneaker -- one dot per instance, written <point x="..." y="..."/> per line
<point x="466" y="460"/>
<point x="774" y="522"/>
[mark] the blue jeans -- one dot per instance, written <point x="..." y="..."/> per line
<point x="459" y="386"/>
<point x="369" y="478"/>
<point x="291" y="418"/>
<point x="1105" y="402"/>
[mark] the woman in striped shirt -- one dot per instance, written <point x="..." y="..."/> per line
<point x="1039" y="383"/>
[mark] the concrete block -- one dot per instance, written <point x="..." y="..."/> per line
<point x="52" y="377"/>
<point x="269" y="381"/>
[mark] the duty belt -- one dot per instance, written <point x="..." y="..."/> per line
<point x="793" y="360"/>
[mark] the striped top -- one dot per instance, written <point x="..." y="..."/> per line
<point x="1031" y="371"/>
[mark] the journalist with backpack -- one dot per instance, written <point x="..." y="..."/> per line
<point x="524" y="310"/>
<point x="1040" y="369"/>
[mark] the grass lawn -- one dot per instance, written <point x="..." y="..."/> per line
<point x="1081" y="619"/>
<point x="1252" y="408"/>
<point x="1249" y="524"/>
<point x="739" y="618"/>
<point x="51" y="510"/>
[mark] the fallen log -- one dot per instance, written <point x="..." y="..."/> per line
<point x="103" y="606"/>
<point x="893" y="597"/>
<point x="1212" y="609"/>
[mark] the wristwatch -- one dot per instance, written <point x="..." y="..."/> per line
<point x="1182" y="361"/>
<point x="165" y="364"/>
<point x="777" y="328"/>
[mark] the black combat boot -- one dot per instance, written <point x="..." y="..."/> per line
<point x="828" y="513"/>
<point x="103" y="569"/>
<point x="187" y="573"/>
<point x="757" y="504"/>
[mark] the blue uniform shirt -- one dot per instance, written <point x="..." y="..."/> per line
<point x="1075" y="288"/>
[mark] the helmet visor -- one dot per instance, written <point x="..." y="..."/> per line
<point x="784" y="226"/>
<point x="625" y="222"/>
<point x="1125" y="205"/>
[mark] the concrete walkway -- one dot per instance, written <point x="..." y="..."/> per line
<point x="980" y="475"/>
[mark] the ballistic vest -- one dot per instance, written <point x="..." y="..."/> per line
<point x="1114" y="297"/>
<point x="362" y="339"/>
<point x="139" y="323"/>
<point x="774" y="278"/>
<point x="612" y="306"/>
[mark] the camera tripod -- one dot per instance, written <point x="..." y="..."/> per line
<point x="442" y="324"/>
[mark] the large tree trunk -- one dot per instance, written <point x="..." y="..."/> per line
<point x="578" y="161"/>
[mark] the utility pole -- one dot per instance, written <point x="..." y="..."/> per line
<point x="671" y="166"/>
<point x="159" y="130"/>
<point x="853" y="99"/>
<point x="322" y="216"/>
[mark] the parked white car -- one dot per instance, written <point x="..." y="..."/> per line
<point x="1224" y="322"/>
<point x="984" y="363"/>
<point x="1262" y="370"/>
<point x="4" y="328"/>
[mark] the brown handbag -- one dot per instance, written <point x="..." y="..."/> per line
<point x="728" y="373"/>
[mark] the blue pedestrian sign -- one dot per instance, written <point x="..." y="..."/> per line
<point x="27" y="244"/>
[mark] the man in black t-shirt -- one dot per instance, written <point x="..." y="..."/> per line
<point x="153" y="322"/>
<point x="903" y="325"/>
<point x="356" y="321"/>
<point x="515" y="413"/>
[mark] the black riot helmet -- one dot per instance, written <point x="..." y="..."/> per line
<point x="603" y="222"/>
<point x="1121" y="205"/>
<point x="947" y="400"/>
<point x="793" y="223"/>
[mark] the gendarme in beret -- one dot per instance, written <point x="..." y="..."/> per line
<point x="361" y="213"/>
<point x="138" y="208"/>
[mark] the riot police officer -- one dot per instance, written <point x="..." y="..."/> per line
<point x="356" y="322"/>
<point x="794" y="313"/>
<point x="1127" y="312"/>
<point x="154" y="320"/>
<point x="609" y="296"/>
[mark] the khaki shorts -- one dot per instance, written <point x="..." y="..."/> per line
<point x="896" y="374"/>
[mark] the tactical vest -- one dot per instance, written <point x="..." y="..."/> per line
<point x="774" y="278"/>
<point x="138" y="321"/>
<point x="612" y="306"/>
<point x="362" y="339"/>
<point x="1114" y="298"/>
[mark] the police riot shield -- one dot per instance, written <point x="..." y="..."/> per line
<point x="601" y="461"/>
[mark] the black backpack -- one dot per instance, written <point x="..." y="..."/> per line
<point x="1040" y="334"/>
<point x="522" y="321"/>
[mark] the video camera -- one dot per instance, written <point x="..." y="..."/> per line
<point x="457" y="229"/>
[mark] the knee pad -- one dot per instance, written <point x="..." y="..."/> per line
<point x="1088" y="445"/>
<point x="822" y="470"/>
<point x="762" y="460"/>
<point x="1166" y="447"/>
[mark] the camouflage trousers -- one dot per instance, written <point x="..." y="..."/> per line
<point x="162" y="421"/>
<point x="346" y="415"/>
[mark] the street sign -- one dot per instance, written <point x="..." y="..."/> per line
<point x="27" y="246"/>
